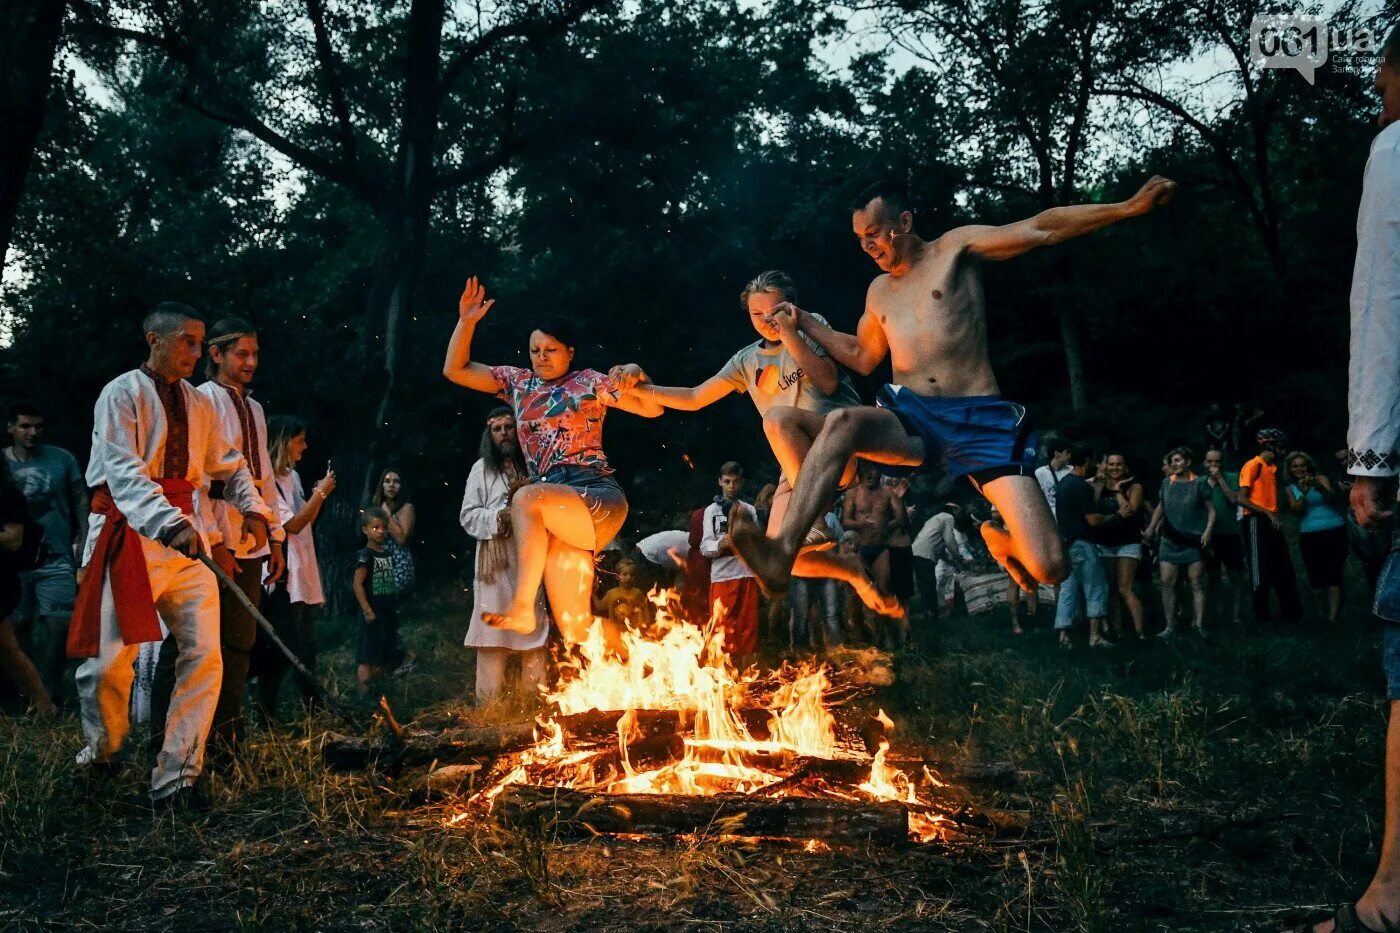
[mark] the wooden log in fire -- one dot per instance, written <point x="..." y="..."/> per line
<point x="652" y="723"/>
<point x="353" y="753"/>
<point x="572" y="812"/>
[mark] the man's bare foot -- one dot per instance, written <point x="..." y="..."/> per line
<point x="878" y="601"/>
<point x="764" y="556"/>
<point x="518" y="619"/>
<point x="999" y="544"/>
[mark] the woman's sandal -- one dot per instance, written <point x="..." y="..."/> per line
<point x="1344" y="920"/>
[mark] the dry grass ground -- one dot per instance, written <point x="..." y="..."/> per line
<point x="1187" y="786"/>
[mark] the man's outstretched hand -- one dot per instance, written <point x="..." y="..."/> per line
<point x="1156" y="192"/>
<point x="473" y="304"/>
<point x="1368" y="501"/>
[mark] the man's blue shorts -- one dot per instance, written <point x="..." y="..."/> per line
<point x="982" y="437"/>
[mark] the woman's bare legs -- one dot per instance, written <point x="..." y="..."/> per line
<point x="541" y="513"/>
<point x="1196" y="576"/>
<point x="568" y="582"/>
<point x="1125" y="572"/>
<point x="1170" y="574"/>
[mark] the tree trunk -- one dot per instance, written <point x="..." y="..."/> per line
<point x="1070" y="328"/>
<point x="408" y="225"/>
<point x="29" y="33"/>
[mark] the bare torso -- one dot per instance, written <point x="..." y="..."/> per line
<point x="934" y="319"/>
<point x="873" y="506"/>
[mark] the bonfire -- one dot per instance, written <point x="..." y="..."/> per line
<point x="665" y="736"/>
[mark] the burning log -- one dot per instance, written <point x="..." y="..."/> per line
<point x="407" y="748"/>
<point x="651" y="723"/>
<point x="578" y="813"/>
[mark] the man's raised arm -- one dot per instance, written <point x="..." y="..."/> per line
<point x="1057" y="224"/>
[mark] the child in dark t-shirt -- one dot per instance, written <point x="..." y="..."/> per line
<point x="377" y="592"/>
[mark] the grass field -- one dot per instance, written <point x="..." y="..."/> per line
<point x="1197" y="785"/>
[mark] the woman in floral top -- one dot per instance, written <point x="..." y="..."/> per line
<point x="572" y="506"/>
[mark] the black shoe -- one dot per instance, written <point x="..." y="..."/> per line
<point x="189" y="799"/>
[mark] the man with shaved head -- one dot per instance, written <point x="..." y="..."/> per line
<point x="944" y="407"/>
<point x="157" y="443"/>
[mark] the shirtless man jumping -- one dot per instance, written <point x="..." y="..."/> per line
<point x="944" y="406"/>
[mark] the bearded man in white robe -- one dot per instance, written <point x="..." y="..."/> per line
<point x="485" y="515"/>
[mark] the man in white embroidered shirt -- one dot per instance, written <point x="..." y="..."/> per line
<point x="1373" y="442"/>
<point x="156" y="445"/>
<point x="232" y="361"/>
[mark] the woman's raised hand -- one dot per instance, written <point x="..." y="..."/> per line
<point x="473" y="305"/>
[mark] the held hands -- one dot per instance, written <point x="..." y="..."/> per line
<point x="1156" y="192"/>
<point x="473" y="304"/>
<point x="787" y="317"/>
<point x="626" y="376"/>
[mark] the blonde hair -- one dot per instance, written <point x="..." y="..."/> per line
<point x="1306" y="458"/>
<point x="774" y="280"/>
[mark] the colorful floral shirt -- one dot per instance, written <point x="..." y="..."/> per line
<point x="560" y="422"/>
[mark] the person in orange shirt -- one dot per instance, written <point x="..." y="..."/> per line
<point x="1265" y="550"/>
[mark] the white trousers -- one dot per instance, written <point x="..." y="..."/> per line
<point x="491" y="671"/>
<point x="187" y="598"/>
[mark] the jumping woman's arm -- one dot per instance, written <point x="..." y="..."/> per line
<point x="635" y="403"/>
<point x="459" y="366"/>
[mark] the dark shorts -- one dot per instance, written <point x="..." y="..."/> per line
<point x="1324" y="556"/>
<point x="982" y="437"/>
<point x="378" y="642"/>
<point x="870" y="553"/>
<point x="607" y="504"/>
<point x="1228" y="552"/>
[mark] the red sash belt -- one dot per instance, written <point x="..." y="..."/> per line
<point x="118" y="550"/>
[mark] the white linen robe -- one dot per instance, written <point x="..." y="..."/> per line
<point x="482" y="504"/>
